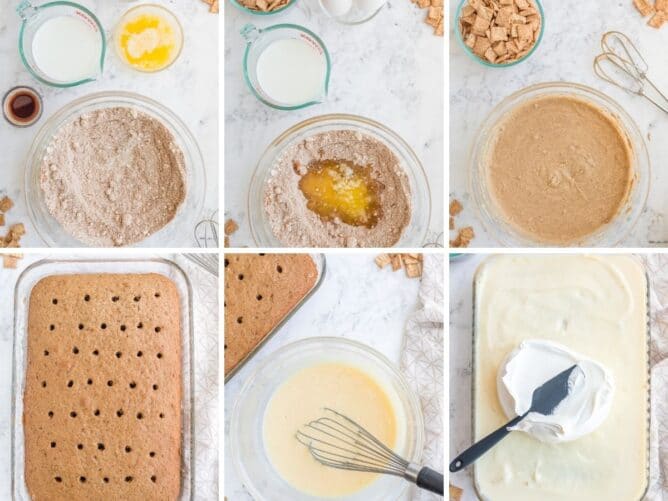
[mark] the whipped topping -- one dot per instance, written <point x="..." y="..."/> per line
<point x="590" y="395"/>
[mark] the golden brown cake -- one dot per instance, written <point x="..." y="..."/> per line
<point x="102" y="402"/>
<point x="260" y="290"/>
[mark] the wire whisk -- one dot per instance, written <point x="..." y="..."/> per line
<point x="337" y="441"/>
<point x="206" y="232"/>
<point x="622" y="65"/>
<point x="207" y="261"/>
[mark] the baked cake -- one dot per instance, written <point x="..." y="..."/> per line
<point x="102" y="402"/>
<point x="260" y="290"/>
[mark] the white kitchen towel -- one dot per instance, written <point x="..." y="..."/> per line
<point x="657" y="271"/>
<point x="422" y="362"/>
<point x="205" y="321"/>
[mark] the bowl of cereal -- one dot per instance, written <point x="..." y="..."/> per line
<point x="499" y="37"/>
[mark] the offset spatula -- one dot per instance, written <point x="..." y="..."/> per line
<point x="544" y="400"/>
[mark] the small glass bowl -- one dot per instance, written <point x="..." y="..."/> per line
<point x="259" y="12"/>
<point x="247" y="417"/>
<point x="159" y="10"/>
<point x="607" y="236"/>
<point x="414" y="234"/>
<point x="177" y="232"/>
<point x="349" y="18"/>
<point x="473" y="56"/>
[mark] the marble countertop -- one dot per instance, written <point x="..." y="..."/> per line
<point x="573" y="31"/>
<point x="389" y="69"/>
<point x="355" y="300"/>
<point x="205" y="354"/>
<point x="189" y="88"/>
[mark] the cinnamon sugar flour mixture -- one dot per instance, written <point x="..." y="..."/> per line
<point x="296" y="225"/>
<point x="112" y="177"/>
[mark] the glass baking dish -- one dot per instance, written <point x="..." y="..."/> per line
<point x="320" y="264"/>
<point x="474" y="433"/>
<point x="47" y="267"/>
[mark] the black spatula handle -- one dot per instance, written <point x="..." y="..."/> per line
<point x="471" y="454"/>
<point x="430" y="480"/>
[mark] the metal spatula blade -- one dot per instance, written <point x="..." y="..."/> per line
<point x="544" y="400"/>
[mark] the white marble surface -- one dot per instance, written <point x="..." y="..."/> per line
<point x="389" y="69"/>
<point x="356" y="301"/>
<point x="189" y="88"/>
<point x="205" y="354"/>
<point x="573" y="30"/>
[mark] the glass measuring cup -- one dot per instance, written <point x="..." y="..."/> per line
<point x="257" y="40"/>
<point x="35" y="16"/>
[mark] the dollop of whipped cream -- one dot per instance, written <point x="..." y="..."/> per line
<point x="590" y="395"/>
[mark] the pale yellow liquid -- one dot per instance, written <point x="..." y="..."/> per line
<point x="301" y="399"/>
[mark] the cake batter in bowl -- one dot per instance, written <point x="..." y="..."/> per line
<point x="559" y="164"/>
<point x="289" y="389"/>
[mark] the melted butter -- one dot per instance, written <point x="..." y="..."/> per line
<point x="339" y="189"/>
<point x="301" y="399"/>
<point x="148" y="42"/>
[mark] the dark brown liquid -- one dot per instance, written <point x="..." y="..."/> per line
<point x="23" y="107"/>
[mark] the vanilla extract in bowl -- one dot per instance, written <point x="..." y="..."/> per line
<point x="22" y="106"/>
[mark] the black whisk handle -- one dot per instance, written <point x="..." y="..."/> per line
<point x="430" y="480"/>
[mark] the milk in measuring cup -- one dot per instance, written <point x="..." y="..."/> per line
<point x="291" y="71"/>
<point x="67" y="49"/>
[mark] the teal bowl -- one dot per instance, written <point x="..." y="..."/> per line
<point x="481" y="61"/>
<point x="259" y="12"/>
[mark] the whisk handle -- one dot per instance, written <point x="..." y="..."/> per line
<point x="430" y="480"/>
